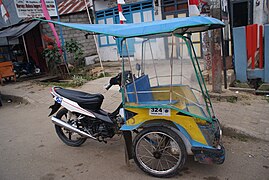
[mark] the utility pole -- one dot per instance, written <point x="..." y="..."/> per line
<point x="216" y="50"/>
<point x="95" y="39"/>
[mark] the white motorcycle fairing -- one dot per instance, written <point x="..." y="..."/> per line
<point x="69" y="104"/>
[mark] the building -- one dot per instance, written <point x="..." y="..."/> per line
<point x="22" y="39"/>
<point x="73" y="11"/>
<point x="135" y="11"/>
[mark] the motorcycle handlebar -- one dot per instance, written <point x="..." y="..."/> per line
<point x="108" y="86"/>
<point x="117" y="79"/>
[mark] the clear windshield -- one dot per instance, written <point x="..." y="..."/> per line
<point x="166" y="75"/>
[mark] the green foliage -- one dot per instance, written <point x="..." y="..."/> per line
<point x="74" y="49"/>
<point x="53" y="58"/>
<point x="104" y="75"/>
<point x="78" y="80"/>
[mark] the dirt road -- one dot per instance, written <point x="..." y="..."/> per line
<point x="30" y="149"/>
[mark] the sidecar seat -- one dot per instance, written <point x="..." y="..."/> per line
<point x="144" y="92"/>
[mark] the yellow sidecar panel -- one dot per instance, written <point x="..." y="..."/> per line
<point x="141" y="115"/>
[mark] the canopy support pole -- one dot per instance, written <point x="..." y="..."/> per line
<point x="25" y="48"/>
<point x="154" y="63"/>
<point x="95" y="39"/>
<point x="171" y="68"/>
<point x="143" y="57"/>
<point x="131" y="69"/>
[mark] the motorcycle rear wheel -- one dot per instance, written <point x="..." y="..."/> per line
<point x="68" y="137"/>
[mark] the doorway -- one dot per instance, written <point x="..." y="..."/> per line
<point x="242" y="13"/>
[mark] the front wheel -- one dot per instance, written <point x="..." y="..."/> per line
<point x="68" y="137"/>
<point x="159" y="151"/>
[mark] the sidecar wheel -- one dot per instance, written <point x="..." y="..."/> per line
<point x="159" y="151"/>
<point x="68" y="137"/>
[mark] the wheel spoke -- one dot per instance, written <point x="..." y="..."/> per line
<point x="150" y="160"/>
<point x="149" y="143"/>
<point x="167" y="163"/>
<point x="157" y="165"/>
<point x="171" y="162"/>
<point x="161" y="165"/>
<point x="157" y="138"/>
<point x="147" y="150"/>
<point x="147" y="156"/>
<point x="167" y="142"/>
<point x="166" y="147"/>
<point x="171" y="155"/>
<point x="161" y="141"/>
<point x="163" y="138"/>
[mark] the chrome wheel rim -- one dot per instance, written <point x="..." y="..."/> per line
<point x="158" y="152"/>
<point x="70" y="135"/>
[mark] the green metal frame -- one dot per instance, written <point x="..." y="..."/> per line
<point x="200" y="79"/>
<point x="199" y="75"/>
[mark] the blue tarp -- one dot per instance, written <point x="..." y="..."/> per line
<point x="175" y="25"/>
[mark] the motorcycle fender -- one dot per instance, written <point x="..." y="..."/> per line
<point x="54" y="108"/>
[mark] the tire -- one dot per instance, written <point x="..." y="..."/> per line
<point x="166" y="154"/>
<point x="62" y="132"/>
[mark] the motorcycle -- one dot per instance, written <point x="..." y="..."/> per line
<point x="168" y="110"/>
<point x="82" y="116"/>
<point x="25" y="68"/>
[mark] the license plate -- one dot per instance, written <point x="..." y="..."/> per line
<point x="159" y="112"/>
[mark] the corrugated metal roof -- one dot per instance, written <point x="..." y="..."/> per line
<point x="71" y="6"/>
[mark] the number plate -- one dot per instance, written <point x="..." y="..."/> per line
<point x="159" y="112"/>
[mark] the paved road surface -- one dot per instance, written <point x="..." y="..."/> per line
<point x="30" y="149"/>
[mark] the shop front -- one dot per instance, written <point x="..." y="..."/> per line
<point x="22" y="43"/>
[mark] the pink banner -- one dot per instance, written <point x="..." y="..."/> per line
<point x="47" y="16"/>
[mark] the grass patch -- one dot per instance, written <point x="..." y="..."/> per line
<point x="231" y="99"/>
<point x="240" y="137"/>
<point x="76" y="81"/>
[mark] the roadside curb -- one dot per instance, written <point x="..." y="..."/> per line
<point x="240" y="134"/>
<point x="227" y="97"/>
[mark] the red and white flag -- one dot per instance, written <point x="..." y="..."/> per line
<point x="121" y="16"/>
<point x="4" y="12"/>
<point x="193" y="8"/>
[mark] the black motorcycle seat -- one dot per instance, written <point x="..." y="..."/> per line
<point x="85" y="100"/>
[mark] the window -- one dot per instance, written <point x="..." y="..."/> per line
<point x="134" y="13"/>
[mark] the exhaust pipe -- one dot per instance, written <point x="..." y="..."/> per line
<point x="69" y="127"/>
